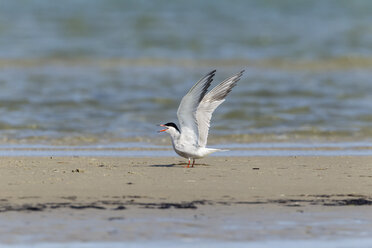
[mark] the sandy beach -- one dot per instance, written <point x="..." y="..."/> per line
<point x="66" y="199"/>
<point x="275" y="180"/>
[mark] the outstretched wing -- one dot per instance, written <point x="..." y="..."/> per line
<point x="210" y="102"/>
<point x="187" y="110"/>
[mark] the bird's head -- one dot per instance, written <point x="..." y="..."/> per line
<point x="170" y="128"/>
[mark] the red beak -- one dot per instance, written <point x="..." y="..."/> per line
<point x="163" y="129"/>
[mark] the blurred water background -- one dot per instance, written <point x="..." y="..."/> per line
<point x="92" y="71"/>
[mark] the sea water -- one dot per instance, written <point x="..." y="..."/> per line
<point x="90" y="71"/>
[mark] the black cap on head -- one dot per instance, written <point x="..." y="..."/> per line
<point x="171" y="124"/>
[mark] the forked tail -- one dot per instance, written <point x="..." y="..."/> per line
<point x="213" y="150"/>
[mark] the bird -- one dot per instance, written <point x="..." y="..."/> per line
<point x="194" y="115"/>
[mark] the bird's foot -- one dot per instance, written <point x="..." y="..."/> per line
<point x="188" y="165"/>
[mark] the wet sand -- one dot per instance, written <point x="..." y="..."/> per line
<point x="133" y="196"/>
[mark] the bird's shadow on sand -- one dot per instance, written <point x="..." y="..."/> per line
<point x="162" y="165"/>
<point x="178" y="164"/>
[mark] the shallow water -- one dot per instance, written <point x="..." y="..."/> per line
<point x="151" y="150"/>
<point x="104" y="72"/>
<point x="342" y="227"/>
<point x="343" y="243"/>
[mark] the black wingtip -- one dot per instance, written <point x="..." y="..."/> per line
<point x="209" y="77"/>
<point x="211" y="73"/>
<point x="239" y="75"/>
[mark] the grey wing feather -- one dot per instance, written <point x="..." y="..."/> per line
<point x="187" y="110"/>
<point x="210" y="102"/>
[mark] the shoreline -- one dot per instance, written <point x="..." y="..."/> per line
<point x="123" y="150"/>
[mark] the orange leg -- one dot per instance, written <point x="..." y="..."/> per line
<point x="193" y="162"/>
<point x="188" y="165"/>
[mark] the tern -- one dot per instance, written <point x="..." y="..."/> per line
<point x="194" y="115"/>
